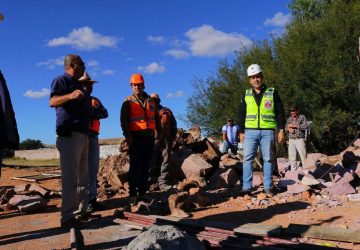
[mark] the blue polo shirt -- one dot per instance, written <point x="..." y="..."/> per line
<point x="75" y="114"/>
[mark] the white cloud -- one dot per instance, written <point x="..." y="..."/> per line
<point x="52" y="63"/>
<point x="92" y="63"/>
<point x="152" y="68"/>
<point x="177" y="94"/>
<point x="37" y="94"/>
<point x="84" y="39"/>
<point x="108" y="72"/>
<point x="156" y="39"/>
<point x="177" y="53"/>
<point x="279" y="20"/>
<point x="206" y="41"/>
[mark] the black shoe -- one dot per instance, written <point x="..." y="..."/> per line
<point x="73" y="222"/>
<point x="94" y="206"/>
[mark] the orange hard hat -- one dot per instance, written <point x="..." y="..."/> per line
<point x="136" y="78"/>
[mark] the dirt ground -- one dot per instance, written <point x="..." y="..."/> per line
<point x="42" y="230"/>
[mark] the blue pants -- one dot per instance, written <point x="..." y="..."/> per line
<point x="226" y="145"/>
<point x="266" y="140"/>
<point x="140" y="153"/>
<point x="94" y="155"/>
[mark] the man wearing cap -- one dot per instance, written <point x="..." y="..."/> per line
<point x="72" y="126"/>
<point x="230" y="135"/>
<point x="141" y="126"/>
<point x="168" y="131"/>
<point x="97" y="112"/>
<point x="296" y="126"/>
<point x="261" y="113"/>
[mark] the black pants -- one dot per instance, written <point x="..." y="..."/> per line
<point x="140" y="153"/>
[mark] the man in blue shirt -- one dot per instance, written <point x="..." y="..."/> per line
<point x="230" y="135"/>
<point x="72" y="106"/>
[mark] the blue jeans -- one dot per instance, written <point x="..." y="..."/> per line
<point x="266" y="140"/>
<point x="226" y="145"/>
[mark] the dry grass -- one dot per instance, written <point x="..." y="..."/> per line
<point x="31" y="163"/>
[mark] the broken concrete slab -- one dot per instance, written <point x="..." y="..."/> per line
<point x="353" y="197"/>
<point x="297" y="188"/>
<point x="309" y="180"/>
<point x="283" y="164"/>
<point x="196" y="166"/>
<point x="291" y="175"/>
<point x="224" y="178"/>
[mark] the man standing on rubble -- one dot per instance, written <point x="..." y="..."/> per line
<point x="230" y="135"/>
<point x="72" y="126"/>
<point x="261" y="112"/>
<point x="168" y="131"/>
<point x="98" y="111"/>
<point x="296" y="126"/>
<point x="140" y="124"/>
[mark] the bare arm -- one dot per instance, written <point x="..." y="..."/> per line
<point x="59" y="100"/>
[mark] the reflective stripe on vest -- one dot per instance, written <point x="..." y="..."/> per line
<point x="266" y="110"/>
<point x="94" y="124"/>
<point x="140" y="118"/>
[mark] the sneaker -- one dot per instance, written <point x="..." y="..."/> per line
<point x="268" y="192"/>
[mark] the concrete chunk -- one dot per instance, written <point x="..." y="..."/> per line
<point x="309" y="180"/>
<point x="297" y="188"/>
<point x="195" y="166"/>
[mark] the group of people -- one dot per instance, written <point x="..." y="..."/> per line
<point x="144" y="123"/>
<point x="261" y="114"/>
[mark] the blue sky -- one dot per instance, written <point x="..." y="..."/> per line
<point x="171" y="42"/>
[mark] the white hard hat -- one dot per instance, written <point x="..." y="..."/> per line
<point x="254" y="69"/>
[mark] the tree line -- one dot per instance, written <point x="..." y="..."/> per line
<point x="315" y="64"/>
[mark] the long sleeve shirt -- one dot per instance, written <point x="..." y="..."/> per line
<point x="279" y="109"/>
<point x="301" y="123"/>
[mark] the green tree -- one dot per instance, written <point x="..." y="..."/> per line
<point x="313" y="64"/>
<point x="30" y="144"/>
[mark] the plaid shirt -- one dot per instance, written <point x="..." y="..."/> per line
<point x="301" y="122"/>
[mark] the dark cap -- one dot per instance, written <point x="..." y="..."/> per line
<point x="293" y="107"/>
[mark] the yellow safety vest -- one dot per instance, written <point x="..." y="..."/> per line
<point x="262" y="116"/>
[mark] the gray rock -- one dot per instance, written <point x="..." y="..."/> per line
<point x="166" y="238"/>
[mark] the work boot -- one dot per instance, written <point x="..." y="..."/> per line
<point x="268" y="192"/>
<point x="95" y="206"/>
<point x="73" y="222"/>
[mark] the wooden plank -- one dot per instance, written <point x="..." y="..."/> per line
<point x="324" y="233"/>
<point x="37" y="177"/>
<point x="259" y="229"/>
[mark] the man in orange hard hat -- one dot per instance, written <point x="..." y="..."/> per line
<point x="140" y="125"/>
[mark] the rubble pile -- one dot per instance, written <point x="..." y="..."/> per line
<point x="201" y="174"/>
<point x="24" y="198"/>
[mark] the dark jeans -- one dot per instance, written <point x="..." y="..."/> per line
<point x="166" y="153"/>
<point x="140" y="153"/>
